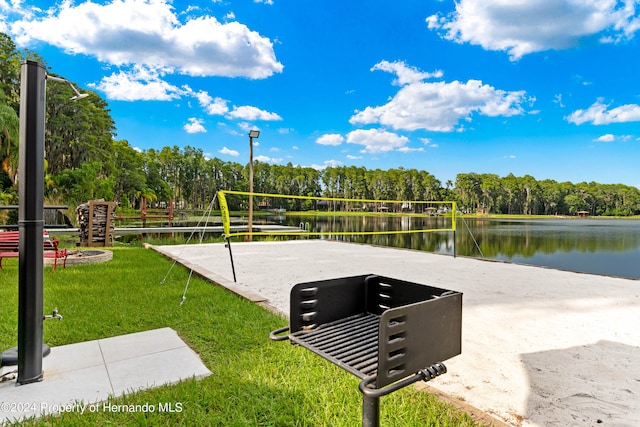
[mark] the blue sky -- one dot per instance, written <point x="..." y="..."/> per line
<point x="548" y="88"/>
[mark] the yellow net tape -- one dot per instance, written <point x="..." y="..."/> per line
<point x="257" y="230"/>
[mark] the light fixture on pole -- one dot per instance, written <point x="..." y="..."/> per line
<point x="77" y="95"/>
<point x="252" y="134"/>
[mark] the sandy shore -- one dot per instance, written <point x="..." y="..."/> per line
<point x="540" y="346"/>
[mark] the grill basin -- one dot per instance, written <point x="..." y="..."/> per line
<point x="374" y="325"/>
<point x="389" y="332"/>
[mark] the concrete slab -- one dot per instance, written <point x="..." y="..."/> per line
<point x="540" y="346"/>
<point x="78" y="375"/>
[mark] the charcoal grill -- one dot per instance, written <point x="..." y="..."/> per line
<point x="388" y="332"/>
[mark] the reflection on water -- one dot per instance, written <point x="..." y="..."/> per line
<point x="599" y="246"/>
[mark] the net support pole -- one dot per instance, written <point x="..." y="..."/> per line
<point x="454" y="208"/>
<point x="233" y="268"/>
<point x="454" y="243"/>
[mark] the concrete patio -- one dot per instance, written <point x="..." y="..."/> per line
<point x="80" y="377"/>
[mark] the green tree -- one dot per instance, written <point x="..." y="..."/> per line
<point x="469" y="190"/>
<point x="194" y="176"/>
<point x="128" y="177"/>
<point x="85" y="183"/>
<point x="77" y="132"/>
<point x="10" y="59"/>
<point x="153" y="178"/>
<point x="9" y="134"/>
<point x="575" y="203"/>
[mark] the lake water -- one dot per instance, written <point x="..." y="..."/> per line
<point x="600" y="246"/>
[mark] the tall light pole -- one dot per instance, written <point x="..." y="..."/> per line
<point x="252" y="134"/>
<point x="33" y="85"/>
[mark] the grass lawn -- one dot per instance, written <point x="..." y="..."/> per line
<point x="255" y="382"/>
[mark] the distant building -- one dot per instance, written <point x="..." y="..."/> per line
<point x="483" y="211"/>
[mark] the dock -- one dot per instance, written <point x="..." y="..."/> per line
<point x="123" y="231"/>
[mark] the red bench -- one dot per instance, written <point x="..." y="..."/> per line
<point x="9" y="247"/>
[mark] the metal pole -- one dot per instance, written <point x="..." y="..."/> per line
<point x="454" y="208"/>
<point x="454" y="243"/>
<point x="233" y="268"/>
<point x="370" y="411"/>
<point x="250" y="229"/>
<point x="31" y="222"/>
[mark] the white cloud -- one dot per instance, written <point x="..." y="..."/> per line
<point x="429" y="143"/>
<point x="438" y="106"/>
<point x="213" y="106"/>
<point x="218" y="107"/>
<point x="266" y="159"/>
<point x="523" y="27"/>
<point x="332" y="163"/>
<point x="139" y="83"/>
<point x="228" y="152"/>
<point x="557" y="99"/>
<point x="352" y="157"/>
<point x="598" y="114"/>
<point x="334" y="139"/>
<point x="195" y="126"/>
<point x="150" y="33"/>
<point x="327" y="164"/>
<point x="410" y="150"/>
<point x="406" y="74"/>
<point x="203" y="97"/>
<point x="376" y="140"/>
<point x="246" y="127"/>
<point x="607" y="137"/>
<point x="247" y="112"/>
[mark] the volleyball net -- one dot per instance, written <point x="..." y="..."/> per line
<point x="265" y="214"/>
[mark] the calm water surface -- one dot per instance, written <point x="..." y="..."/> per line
<point x="600" y="246"/>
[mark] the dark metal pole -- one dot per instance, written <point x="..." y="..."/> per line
<point x="233" y="267"/>
<point x="454" y="243"/>
<point x="31" y="222"/>
<point x="370" y="411"/>
<point x="250" y="224"/>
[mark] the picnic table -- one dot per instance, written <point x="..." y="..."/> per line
<point x="10" y="241"/>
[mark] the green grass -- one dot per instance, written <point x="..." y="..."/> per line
<point x="254" y="381"/>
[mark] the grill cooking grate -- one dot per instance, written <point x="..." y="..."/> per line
<point x="351" y="343"/>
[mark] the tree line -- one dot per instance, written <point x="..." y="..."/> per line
<point x="526" y="195"/>
<point x="85" y="161"/>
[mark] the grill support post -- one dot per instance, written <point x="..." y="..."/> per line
<point x="370" y="411"/>
<point x="371" y="396"/>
